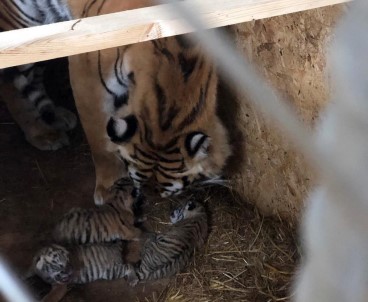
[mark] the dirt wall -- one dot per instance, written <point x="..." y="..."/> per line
<point x="290" y="51"/>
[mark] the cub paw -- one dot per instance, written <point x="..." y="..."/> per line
<point x="139" y="221"/>
<point x="132" y="278"/>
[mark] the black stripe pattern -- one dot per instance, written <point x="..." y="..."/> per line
<point x="28" y="79"/>
<point x="112" y="221"/>
<point x="167" y="254"/>
<point x="81" y="264"/>
<point x="120" y="97"/>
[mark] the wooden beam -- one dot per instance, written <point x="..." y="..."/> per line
<point x="89" y="34"/>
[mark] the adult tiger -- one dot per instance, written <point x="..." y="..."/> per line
<point x="157" y="101"/>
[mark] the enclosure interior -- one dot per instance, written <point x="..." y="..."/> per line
<point x="252" y="250"/>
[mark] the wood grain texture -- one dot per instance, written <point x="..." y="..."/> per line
<point x="89" y="34"/>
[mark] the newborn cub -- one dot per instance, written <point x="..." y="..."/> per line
<point x="56" y="264"/>
<point x="112" y="221"/>
<point x="164" y="255"/>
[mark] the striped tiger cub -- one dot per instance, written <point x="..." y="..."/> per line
<point x="56" y="264"/>
<point x="112" y="221"/>
<point x="164" y="255"/>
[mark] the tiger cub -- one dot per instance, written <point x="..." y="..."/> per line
<point x="164" y="255"/>
<point x="56" y="264"/>
<point x="112" y="221"/>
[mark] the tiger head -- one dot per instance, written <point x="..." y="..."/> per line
<point x="52" y="265"/>
<point x="122" y="190"/>
<point x="189" y="210"/>
<point x="168" y="130"/>
<point x="126" y="197"/>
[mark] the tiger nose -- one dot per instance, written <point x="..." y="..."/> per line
<point x="164" y="194"/>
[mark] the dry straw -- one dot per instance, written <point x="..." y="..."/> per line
<point x="247" y="257"/>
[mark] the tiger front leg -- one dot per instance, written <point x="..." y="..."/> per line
<point x="108" y="169"/>
<point x="91" y="101"/>
<point x="36" y="131"/>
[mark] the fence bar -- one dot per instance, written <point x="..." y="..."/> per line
<point x="10" y="287"/>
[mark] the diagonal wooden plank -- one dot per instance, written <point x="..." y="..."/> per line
<point x="89" y="34"/>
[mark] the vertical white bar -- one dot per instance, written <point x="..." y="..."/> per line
<point x="10" y="286"/>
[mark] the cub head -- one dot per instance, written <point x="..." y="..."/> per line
<point x="123" y="191"/>
<point x="52" y="264"/>
<point x="126" y="197"/>
<point x="189" y="210"/>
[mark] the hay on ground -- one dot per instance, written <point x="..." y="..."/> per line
<point x="247" y="257"/>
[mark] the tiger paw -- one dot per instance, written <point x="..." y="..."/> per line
<point x="61" y="119"/>
<point x="49" y="140"/>
<point x="101" y="194"/>
<point x="132" y="278"/>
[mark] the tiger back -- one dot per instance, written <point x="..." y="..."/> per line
<point x="112" y="221"/>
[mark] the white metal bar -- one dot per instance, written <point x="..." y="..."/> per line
<point x="10" y="287"/>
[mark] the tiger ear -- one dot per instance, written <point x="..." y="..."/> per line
<point x="39" y="263"/>
<point x="197" y="144"/>
<point x="191" y="206"/>
<point x="122" y="129"/>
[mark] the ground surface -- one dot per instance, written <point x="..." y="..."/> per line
<point x="36" y="188"/>
<point x="247" y="257"/>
